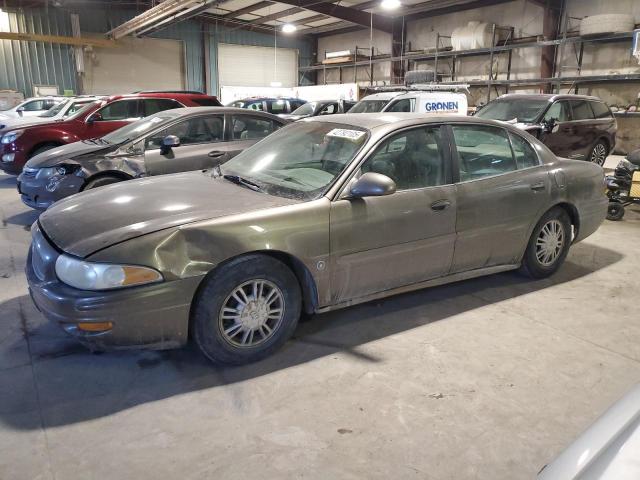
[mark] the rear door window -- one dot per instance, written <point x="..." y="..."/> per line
<point x="277" y="106"/>
<point x="246" y="127"/>
<point x="558" y="112"/>
<point x="581" y="110"/>
<point x="155" y="105"/>
<point x="482" y="151"/>
<point x="329" y="109"/>
<point x="122" y="110"/>
<point x="600" y="110"/>
<point x="524" y="153"/>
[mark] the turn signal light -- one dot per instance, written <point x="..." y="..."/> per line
<point x="95" y="326"/>
<point x="138" y="275"/>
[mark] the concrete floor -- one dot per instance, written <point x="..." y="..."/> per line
<point x="485" y="379"/>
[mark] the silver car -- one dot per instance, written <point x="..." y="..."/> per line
<point x="322" y="214"/>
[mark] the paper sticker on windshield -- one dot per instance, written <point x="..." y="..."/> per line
<point x="353" y="135"/>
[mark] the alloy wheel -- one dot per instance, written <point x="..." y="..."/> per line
<point x="599" y="154"/>
<point x="251" y="314"/>
<point x="550" y="242"/>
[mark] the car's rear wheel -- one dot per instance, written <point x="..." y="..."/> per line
<point x="599" y="153"/>
<point x="246" y="310"/>
<point x="549" y="244"/>
<point x="615" y="211"/>
<point x="101" y="181"/>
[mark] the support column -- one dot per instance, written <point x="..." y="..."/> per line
<point x="398" y="38"/>
<point x="550" y="30"/>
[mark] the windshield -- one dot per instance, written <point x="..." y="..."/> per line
<point x="306" y="109"/>
<point x="369" y="106"/>
<point x="135" y="129"/>
<point x="81" y="111"/>
<point x="56" y="109"/>
<point x="299" y="161"/>
<point x="523" y="110"/>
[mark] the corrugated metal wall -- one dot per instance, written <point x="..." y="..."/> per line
<point x="23" y="64"/>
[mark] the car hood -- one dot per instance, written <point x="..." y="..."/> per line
<point x="292" y="117"/>
<point x="90" y="221"/>
<point x="12" y="123"/>
<point x="54" y="156"/>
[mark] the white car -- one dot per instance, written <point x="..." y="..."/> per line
<point x="608" y="450"/>
<point x="437" y="102"/>
<point x="58" y="112"/>
<point x="31" y="107"/>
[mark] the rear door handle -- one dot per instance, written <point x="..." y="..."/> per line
<point x="440" y="205"/>
<point x="536" y="187"/>
<point x="216" y="154"/>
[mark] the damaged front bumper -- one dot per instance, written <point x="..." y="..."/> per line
<point x="39" y="188"/>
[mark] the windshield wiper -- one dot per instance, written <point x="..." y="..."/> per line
<point x="238" y="180"/>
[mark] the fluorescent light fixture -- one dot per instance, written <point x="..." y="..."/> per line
<point x="390" y="4"/>
<point x="276" y="84"/>
<point x="289" y="28"/>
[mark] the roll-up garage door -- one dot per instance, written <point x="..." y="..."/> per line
<point x="135" y="64"/>
<point x="247" y="66"/>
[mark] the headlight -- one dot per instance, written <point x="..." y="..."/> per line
<point x="102" y="276"/>
<point x="11" y="137"/>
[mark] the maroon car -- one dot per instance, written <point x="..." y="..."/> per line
<point x="19" y="144"/>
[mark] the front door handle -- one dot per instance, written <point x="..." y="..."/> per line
<point x="440" y="205"/>
<point x="536" y="187"/>
<point x="216" y="154"/>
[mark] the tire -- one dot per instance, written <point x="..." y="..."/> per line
<point x="535" y="263"/>
<point x="599" y="153"/>
<point x="228" y="333"/>
<point x="41" y="149"/>
<point x="101" y="182"/>
<point x="615" y="211"/>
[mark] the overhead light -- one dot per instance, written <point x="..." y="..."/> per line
<point x="276" y="84"/>
<point x="290" y="27"/>
<point x="390" y="4"/>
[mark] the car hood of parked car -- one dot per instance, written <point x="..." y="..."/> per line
<point x="90" y="221"/>
<point x="74" y="151"/>
<point x="20" y="122"/>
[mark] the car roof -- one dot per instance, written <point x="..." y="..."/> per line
<point x="372" y="121"/>
<point x="382" y="96"/>
<point x="551" y="97"/>
<point x="253" y="99"/>
<point x="200" y="110"/>
<point x="174" y="96"/>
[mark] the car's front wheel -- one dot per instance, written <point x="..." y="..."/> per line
<point x="549" y="244"/>
<point x="599" y="153"/>
<point x="246" y="309"/>
<point x="101" y="181"/>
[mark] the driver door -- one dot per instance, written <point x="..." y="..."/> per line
<point x="560" y="139"/>
<point x="381" y="243"/>
<point x="201" y="146"/>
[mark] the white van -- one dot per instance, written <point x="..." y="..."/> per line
<point x="440" y="102"/>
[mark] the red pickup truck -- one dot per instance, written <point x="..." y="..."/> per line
<point x="19" y="144"/>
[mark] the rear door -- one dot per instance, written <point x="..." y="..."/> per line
<point x="502" y="190"/>
<point x="381" y="243"/>
<point x="585" y="132"/>
<point x="201" y="146"/>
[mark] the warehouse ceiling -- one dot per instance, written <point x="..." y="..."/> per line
<point x="311" y="17"/>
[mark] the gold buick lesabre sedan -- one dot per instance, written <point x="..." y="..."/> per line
<point x="322" y="214"/>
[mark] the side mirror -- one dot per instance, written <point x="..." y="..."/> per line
<point x="169" y="142"/>
<point x="20" y="110"/>
<point x="94" y="117"/>
<point x="372" y="184"/>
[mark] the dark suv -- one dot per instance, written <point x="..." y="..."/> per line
<point x="271" y="105"/>
<point x="572" y="126"/>
<point x="18" y="144"/>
